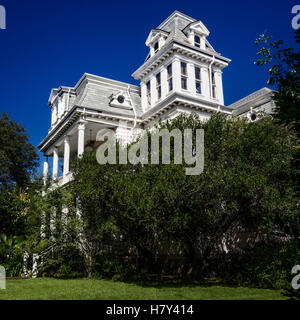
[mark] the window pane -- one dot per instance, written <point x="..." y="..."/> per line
<point x="169" y="70"/>
<point x="183" y="68"/>
<point x="158" y="79"/>
<point x="197" y="41"/>
<point x="214" y="91"/>
<point x="198" y="86"/>
<point x="213" y="77"/>
<point x="183" y="83"/>
<point x="197" y="73"/>
<point x="170" y="82"/>
<point x="159" y="92"/>
<point x="156" y="46"/>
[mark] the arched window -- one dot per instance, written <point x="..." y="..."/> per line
<point x="197" y="41"/>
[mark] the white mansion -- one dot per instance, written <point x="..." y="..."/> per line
<point x="182" y="73"/>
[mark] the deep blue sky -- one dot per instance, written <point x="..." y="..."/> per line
<point x="52" y="43"/>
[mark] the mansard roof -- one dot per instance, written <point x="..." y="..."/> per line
<point x="181" y="22"/>
<point x="177" y="35"/>
<point x="94" y="92"/>
<point x="253" y="100"/>
<point x="176" y="27"/>
<point x="181" y="19"/>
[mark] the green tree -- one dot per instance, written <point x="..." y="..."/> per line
<point x="284" y="71"/>
<point x="18" y="161"/>
<point x="157" y="211"/>
<point x="18" y="158"/>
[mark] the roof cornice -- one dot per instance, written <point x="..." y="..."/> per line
<point x="179" y="47"/>
<point x="87" y="77"/>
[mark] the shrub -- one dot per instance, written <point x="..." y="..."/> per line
<point x="265" y="266"/>
<point x="64" y="263"/>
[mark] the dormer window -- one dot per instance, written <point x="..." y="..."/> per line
<point x="197" y="41"/>
<point x="155" y="47"/>
<point x="121" y="99"/>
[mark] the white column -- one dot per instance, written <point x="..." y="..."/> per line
<point x="205" y="84"/>
<point x="55" y="163"/>
<point x="25" y="263"/>
<point x="202" y="43"/>
<point x="80" y="147"/>
<point x="153" y="90"/>
<point x="79" y="218"/>
<point x="161" y="42"/>
<point x="191" y="37"/>
<point x="176" y="75"/>
<point x="144" y="96"/>
<point x="64" y="220"/>
<point x="191" y="85"/>
<point x="164" y="82"/>
<point x="43" y="225"/>
<point x="66" y="157"/>
<point x="45" y="170"/>
<point x="152" y="51"/>
<point x="35" y="258"/>
<point x="52" y="223"/>
<point x="219" y="86"/>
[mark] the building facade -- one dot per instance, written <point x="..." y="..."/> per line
<point x="182" y="73"/>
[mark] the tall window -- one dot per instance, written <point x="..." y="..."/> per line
<point x="155" y="47"/>
<point x="198" y="79"/>
<point x="213" y="82"/>
<point x="148" y="93"/>
<point x="158" y="86"/>
<point x="183" y="76"/>
<point x="169" y="79"/>
<point x="197" y="41"/>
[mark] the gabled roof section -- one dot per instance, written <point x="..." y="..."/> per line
<point x="56" y="92"/>
<point x="197" y="26"/>
<point x="153" y="33"/>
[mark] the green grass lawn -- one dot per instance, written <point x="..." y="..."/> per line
<point x="93" y="289"/>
